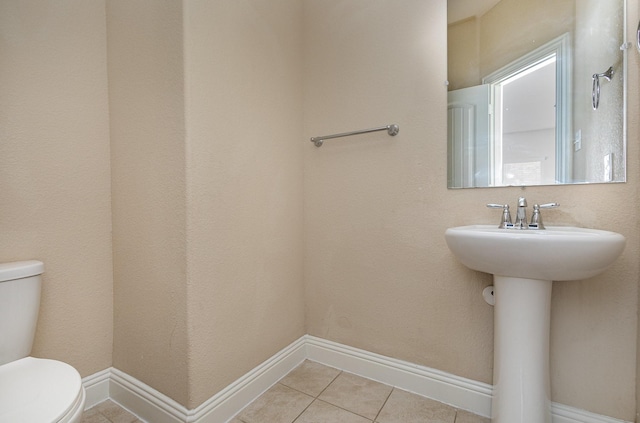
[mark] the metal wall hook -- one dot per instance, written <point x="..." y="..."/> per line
<point x="595" y="89"/>
<point x="638" y="37"/>
<point x="608" y="74"/>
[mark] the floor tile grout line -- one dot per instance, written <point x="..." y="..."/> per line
<point x="344" y="409"/>
<point x="314" y="398"/>
<point x="302" y="412"/>
<point x="306" y="393"/>
<point x="317" y="398"/>
<point x="384" y="403"/>
<point x="329" y="384"/>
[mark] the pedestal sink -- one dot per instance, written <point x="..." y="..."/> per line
<point x="524" y="263"/>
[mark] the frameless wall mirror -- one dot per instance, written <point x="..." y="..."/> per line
<point x="537" y="92"/>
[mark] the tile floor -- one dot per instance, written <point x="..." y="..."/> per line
<point x="314" y="393"/>
<point x="109" y="412"/>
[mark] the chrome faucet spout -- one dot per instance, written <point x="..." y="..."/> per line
<point x="521" y="215"/>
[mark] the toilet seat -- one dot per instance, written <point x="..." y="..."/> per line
<point x="40" y="390"/>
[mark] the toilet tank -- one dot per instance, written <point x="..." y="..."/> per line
<point x="19" y="303"/>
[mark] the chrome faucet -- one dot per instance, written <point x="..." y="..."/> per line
<point x="536" y="217"/>
<point x="505" y="222"/>
<point x="521" y="215"/>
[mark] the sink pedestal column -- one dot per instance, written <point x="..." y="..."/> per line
<point x="522" y="316"/>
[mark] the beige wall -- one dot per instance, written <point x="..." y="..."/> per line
<point x="146" y="92"/>
<point x="207" y="199"/>
<point x="54" y="170"/>
<point x="514" y="27"/>
<point x="463" y="54"/>
<point x="244" y="171"/>
<point x="596" y="47"/>
<point x="208" y="147"/>
<point x="378" y="273"/>
<point x="479" y="46"/>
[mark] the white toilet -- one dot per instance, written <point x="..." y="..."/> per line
<point x="32" y="390"/>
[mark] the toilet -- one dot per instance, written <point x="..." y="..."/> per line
<point x="32" y="390"/>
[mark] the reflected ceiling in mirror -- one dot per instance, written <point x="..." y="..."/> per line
<point x="531" y="97"/>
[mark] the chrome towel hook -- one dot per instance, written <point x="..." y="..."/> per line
<point x="638" y="37"/>
<point x="595" y="89"/>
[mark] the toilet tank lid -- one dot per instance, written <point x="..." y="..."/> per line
<point x="20" y="269"/>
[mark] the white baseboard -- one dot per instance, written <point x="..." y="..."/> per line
<point x="144" y="401"/>
<point x="153" y="406"/>
<point x="228" y="402"/>
<point x="96" y="388"/>
<point x="565" y="414"/>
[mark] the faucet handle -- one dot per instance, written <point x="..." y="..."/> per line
<point x="505" y="221"/>
<point x="536" y="217"/>
<point x="548" y="205"/>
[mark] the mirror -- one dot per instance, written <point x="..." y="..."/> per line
<point x="536" y="92"/>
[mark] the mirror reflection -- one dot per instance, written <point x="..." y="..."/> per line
<point x="536" y="92"/>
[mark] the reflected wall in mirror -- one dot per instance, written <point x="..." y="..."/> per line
<point x="530" y="99"/>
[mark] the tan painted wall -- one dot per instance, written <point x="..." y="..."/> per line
<point x="207" y="222"/>
<point x="463" y="54"/>
<point x="482" y="45"/>
<point x="244" y="167"/>
<point x="597" y="47"/>
<point x="378" y="274"/>
<point x="54" y="170"/>
<point x="207" y="193"/>
<point x="528" y="24"/>
<point x="146" y="92"/>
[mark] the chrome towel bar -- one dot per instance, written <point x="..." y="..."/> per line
<point x="391" y="129"/>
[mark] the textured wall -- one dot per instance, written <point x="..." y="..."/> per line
<point x="595" y="49"/>
<point x="244" y="167"/>
<point x="146" y="91"/>
<point x="54" y="170"/>
<point x="207" y="195"/>
<point x="481" y="45"/>
<point x="378" y="273"/>
<point x="463" y="54"/>
<point x="514" y="27"/>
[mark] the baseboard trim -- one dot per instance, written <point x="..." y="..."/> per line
<point x="144" y="401"/>
<point x="153" y="406"/>
<point x="228" y="402"/>
<point x="565" y="414"/>
<point x="96" y="388"/>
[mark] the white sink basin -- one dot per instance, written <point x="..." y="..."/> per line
<point x="555" y="253"/>
<point x="524" y="263"/>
